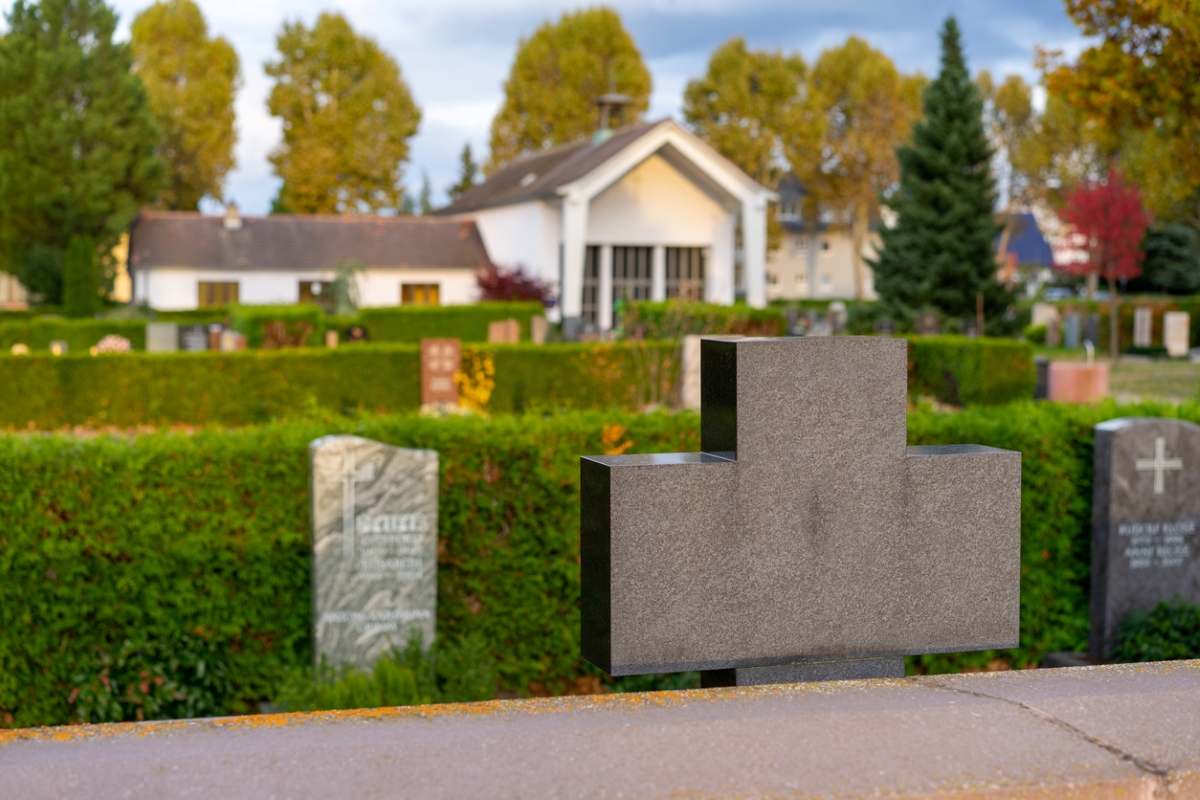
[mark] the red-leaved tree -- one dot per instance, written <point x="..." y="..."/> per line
<point x="1110" y="222"/>
<point x="504" y="283"/>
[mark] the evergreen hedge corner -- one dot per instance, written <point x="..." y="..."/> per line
<point x="467" y="322"/>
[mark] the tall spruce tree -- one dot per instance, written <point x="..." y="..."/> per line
<point x="939" y="255"/>
<point x="81" y="279"/>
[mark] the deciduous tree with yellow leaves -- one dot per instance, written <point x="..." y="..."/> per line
<point x="191" y="80"/>
<point x="347" y="117"/>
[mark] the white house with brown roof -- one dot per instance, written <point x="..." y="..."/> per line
<point x="185" y="260"/>
<point x="649" y="212"/>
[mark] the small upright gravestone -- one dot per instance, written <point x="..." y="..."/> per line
<point x="927" y="325"/>
<point x="805" y="541"/>
<point x="1143" y="326"/>
<point x="1176" y="333"/>
<point x="193" y="338"/>
<point x="1145" y="513"/>
<point x="162" y="337"/>
<point x="504" y="331"/>
<point x="440" y="360"/>
<point x="1071" y="338"/>
<point x="374" y="512"/>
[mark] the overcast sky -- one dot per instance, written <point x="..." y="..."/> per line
<point x="455" y="54"/>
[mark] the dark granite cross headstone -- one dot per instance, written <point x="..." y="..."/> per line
<point x="1145" y="518"/>
<point x="804" y="541"/>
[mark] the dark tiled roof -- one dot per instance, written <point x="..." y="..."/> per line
<point x="1026" y="240"/>
<point x="285" y="241"/>
<point x="542" y="173"/>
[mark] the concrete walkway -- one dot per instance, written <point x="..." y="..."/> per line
<point x="1120" y="731"/>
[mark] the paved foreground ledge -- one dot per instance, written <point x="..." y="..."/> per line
<point x="1118" y="731"/>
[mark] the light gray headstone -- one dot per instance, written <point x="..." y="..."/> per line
<point x="1145" y="515"/>
<point x="1176" y="331"/>
<point x="373" y="588"/>
<point x="1143" y="326"/>
<point x="162" y="337"/>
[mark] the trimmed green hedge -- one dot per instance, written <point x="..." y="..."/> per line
<point x="673" y="319"/>
<point x="115" y="545"/>
<point x="469" y="323"/>
<point x="252" y="320"/>
<point x="255" y="386"/>
<point x="963" y="371"/>
<point x="79" y="334"/>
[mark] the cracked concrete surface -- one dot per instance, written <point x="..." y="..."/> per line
<point x="1115" y="731"/>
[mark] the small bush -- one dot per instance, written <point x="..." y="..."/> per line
<point x="1167" y="632"/>
<point x="304" y="323"/>
<point x="1036" y="334"/>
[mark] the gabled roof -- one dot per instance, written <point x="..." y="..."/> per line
<point x="549" y="172"/>
<point x="542" y="173"/>
<point x="1026" y="241"/>
<point x="289" y="242"/>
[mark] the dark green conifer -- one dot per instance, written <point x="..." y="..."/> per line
<point x="940" y="253"/>
<point x="81" y="278"/>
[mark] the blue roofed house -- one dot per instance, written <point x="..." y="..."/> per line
<point x="1023" y="253"/>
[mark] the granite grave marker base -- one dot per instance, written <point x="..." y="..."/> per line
<point x="805" y="541"/>
<point x="374" y="512"/>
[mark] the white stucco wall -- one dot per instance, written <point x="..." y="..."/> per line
<point x="522" y="235"/>
<point x="654" y="204"/>
<point x="175" y="289"/>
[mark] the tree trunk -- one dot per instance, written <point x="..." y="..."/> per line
<point x="1092" y="280"/>
<point x="858" y="235"/>
<point x="1114" y="338"/>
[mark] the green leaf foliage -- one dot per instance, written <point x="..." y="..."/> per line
<point x="81" y="279"/>
<point x="940" y="254"/>
<point x="970" y="372"/>
<point x="1167" y="632"/>
<point x="77" y="138"/>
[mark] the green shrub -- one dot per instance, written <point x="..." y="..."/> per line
<point x="1036" y="334"/>
<point x="674" y="318"/>
<point x="79" y="334"/>
<point x="964" y="371"/>
<point x="1167" y="632"/>
<point x="469" y="323"/>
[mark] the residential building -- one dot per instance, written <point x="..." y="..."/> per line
<point x="815" y="259"/>
<point x="648" y="212"/>
<point x="184" y="260"/>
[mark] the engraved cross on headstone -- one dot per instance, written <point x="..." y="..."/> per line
<point x="350" y="476"/>
<point x="1160" y="463"/>
<point x="804" y="541"/>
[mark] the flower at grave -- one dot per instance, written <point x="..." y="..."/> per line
<point x="611" y="439"/>
<point x="19" y="349"/>
<point x="113" y="344"/>
<point x="476" y="380"/>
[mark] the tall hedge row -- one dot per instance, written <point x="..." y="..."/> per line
<point x="143" y="539"/>
<point x="963" y="371"/>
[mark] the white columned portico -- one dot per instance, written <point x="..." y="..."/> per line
<point x="604" y="303"/>
<point x="658" y="273"/>
<point x="574" y="238"/>
<point x="719" y="272"/>
<point x="754" y="249"/>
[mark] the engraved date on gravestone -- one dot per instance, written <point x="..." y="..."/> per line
<point x="1157" y="544"/>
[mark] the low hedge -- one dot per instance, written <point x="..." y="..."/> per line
<point x="673" y="319"/>
<point x="80" y="334"/>
<point x="252" y="321"/>
<point x="112" y="546"/>
<point x="469" y="323"/>
<point x="963" y="371"/>
<point x="255" y="386"/>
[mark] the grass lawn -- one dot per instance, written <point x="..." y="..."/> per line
<point x="1133" y="378"/>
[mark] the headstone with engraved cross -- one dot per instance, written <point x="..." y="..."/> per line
<point x="374" y="578"/>
<point x="805" y="541"/>
<point x="1145" y="513"/>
